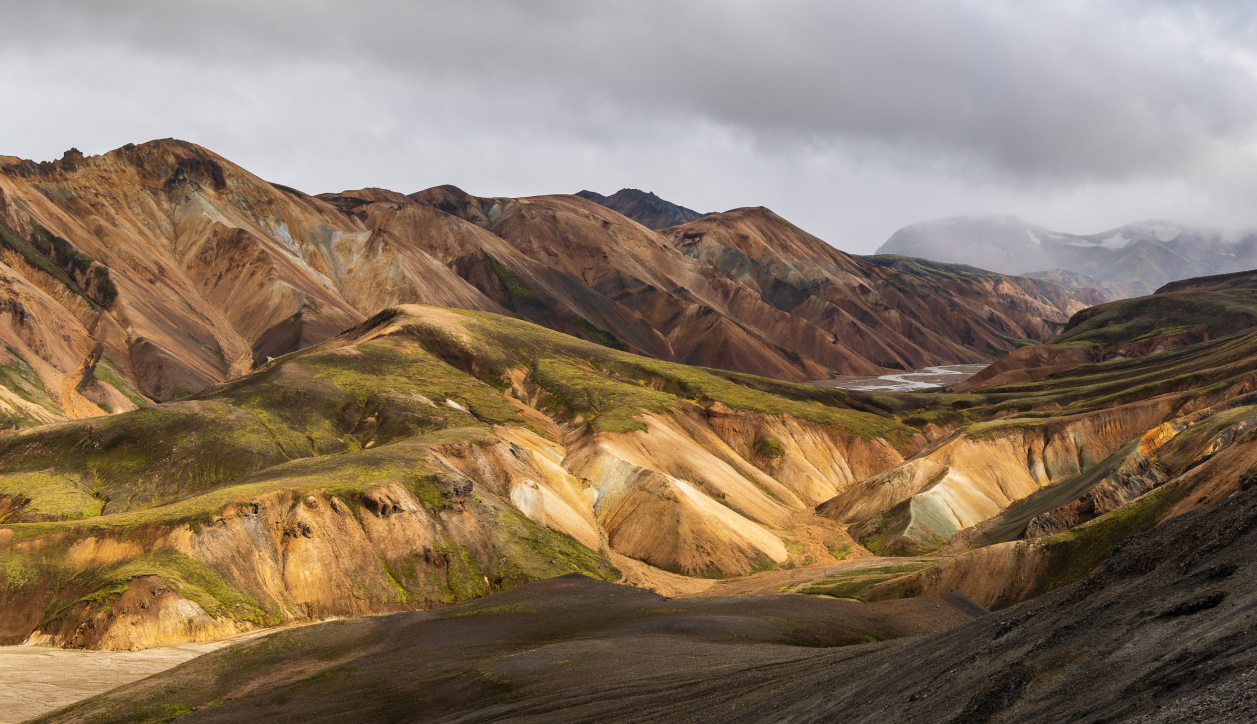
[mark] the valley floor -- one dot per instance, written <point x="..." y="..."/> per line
<point x="35" y="680"/>
<point x="921" y="379"/>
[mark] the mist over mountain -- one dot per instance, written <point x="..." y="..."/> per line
<point x="1131" y="260"/>
<point x="645" y="208"/>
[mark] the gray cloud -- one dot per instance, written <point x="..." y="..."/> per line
<point x="850" y="118"/>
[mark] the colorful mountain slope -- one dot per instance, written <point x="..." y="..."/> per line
<point x="424" y="457"/>
<point x="1042" y="476"/>
<point x="1160" y="633"/>
<point x="154" y="270"/>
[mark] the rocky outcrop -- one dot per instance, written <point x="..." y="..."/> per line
<point x="645" y="208"/>
<point x="972" y="477"/>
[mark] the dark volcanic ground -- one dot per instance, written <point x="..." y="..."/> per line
<point x="1162" y="633"/>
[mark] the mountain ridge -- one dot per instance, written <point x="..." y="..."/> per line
<point x="210" y="271"/>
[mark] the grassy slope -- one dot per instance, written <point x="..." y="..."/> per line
<point x="343" y="418"/>
<point x="1215" y="313"/>
<point x="1200" y="374"/>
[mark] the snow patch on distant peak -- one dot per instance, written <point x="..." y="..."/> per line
<point x="1034" y="238"/>
<point x="1116" y="241"/>
<point x="1164" y="232"/>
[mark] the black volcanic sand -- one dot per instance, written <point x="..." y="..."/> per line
<point x="534" y="642"/>
<point x="1163" y="632"/>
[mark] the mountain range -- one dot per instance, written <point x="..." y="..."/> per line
<point x="572" y="458"/>
<point x="154" y="270"/>
<point x="791" y="534"/>
<point x="1129" y="261"/>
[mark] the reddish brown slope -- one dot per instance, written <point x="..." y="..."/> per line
<point x="896" y="311"/>
<point x="214" y="268"/>
<point x="168" y="268"/>
<point x="747" y="290"/>
<point x="699" y="314"/>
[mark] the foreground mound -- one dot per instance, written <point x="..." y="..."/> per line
<point x="534" y="641"/>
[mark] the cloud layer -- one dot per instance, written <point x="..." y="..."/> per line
<point x="850" y="118"/>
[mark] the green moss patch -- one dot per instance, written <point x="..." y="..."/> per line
<point x="52" y="496"/>
<point x="768" y="447"/>
<point x="607" y="403"/>
<point x="600" y="336"/>
<point x="853" y="583"/>
<point x="514" y="283"/>
<point x="1073" y="554"/>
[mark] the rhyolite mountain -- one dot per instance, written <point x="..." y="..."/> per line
<point x="1129" y="261"/>
<point x="155" y="270"/>
<point x="429" y="456"/>
<point x="644" y="207"/>
<point x="513" y="396"/>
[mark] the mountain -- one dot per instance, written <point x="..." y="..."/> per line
<point x="644" y="207"/>
<point x="1136" y="258"/>
<point x="664" y="294"/>
<point x="582" y="395"/>
<point x="155" y="270"/>
<point x="429" y="456"/>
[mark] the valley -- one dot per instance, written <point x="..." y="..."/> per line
<point x="502" y="438"/>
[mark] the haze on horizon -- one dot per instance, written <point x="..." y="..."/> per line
<point x="850" y="119"/>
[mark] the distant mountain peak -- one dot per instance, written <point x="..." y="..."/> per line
<point x="645" y="208"/>
<point x="1137" y="257"/>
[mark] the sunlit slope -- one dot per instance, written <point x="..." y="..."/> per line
<point x="1178" y="315"/>
<point x="425" y="456"/>
<point x="1040" y="479"/>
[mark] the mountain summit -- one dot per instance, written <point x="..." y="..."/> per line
<point x="645" y="208"/>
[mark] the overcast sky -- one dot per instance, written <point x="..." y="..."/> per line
<point x="851" y="119"/>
